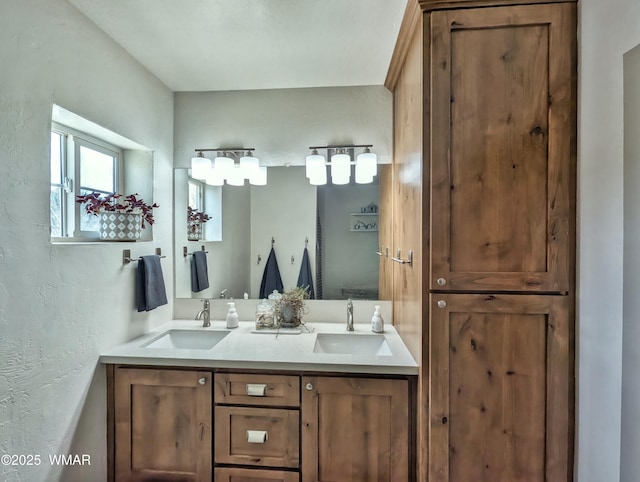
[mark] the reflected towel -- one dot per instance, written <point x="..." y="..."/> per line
<point x="199" y="271"/>
<point x="305" y="279"/>
<point x="271" y="279"/>
<point x="150" y="291"/>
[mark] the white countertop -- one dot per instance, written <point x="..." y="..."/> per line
<point x="246" y="350"/>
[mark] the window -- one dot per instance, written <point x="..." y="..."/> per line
<point x="196" y="195"/>
<point x="79" y="164"/>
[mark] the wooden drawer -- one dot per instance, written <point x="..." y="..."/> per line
<point x="278" y="448"/>
<point x="251" y="389"/>
<point x="254" y="475"/>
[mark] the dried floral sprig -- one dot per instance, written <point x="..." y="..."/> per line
<point x="195" y="215"/>
<point x="294" y="300"/>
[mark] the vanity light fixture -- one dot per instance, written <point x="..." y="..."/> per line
<point x="231" y="164"/>
<point x="341" y="161"/>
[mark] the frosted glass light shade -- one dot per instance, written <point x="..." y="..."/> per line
<point x="214" y="177"/>
<point x="319" y="177"/>
<point x="259" y="177"/>
<point x="224" y="165"/>
<point x="339" y="180"/>
<point x="363" y="177"/>
<point x="367" y="163"/>
<point x="235" y="176"/>
<point x="314" y="164"/>
<point x="200" y="166"/>
<point x="340" y="168"/>
<point x="249" y="165"/>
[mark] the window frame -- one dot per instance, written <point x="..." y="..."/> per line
<point x="72" y="141"/>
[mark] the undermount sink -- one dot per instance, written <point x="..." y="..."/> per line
<point x="352" y="344"/>
<point x="187" y="339"/>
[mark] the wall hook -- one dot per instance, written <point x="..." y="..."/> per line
<point x="259" y="259"/>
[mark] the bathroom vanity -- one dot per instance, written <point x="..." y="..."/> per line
<point x="319" y="405"/>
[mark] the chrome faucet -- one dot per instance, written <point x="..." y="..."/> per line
<point x="223" y="293"/>
<point x="349" y="315"/>
<point x="205" y="314"/>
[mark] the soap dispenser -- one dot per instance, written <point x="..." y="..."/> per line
<point x="377" y="323"/>
<point x="232" y="316"/>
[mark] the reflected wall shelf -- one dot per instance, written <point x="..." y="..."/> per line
<point x="363" y="222"/>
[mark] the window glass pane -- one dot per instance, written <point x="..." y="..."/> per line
<point x="56" y="211"/>
<point x="88" y="222"/>
<point x="56" y="167"/>
<point x="96" y="170"/>
<point x="195" y="196"/>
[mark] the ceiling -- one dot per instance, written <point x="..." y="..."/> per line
<point x="204" y="45"/>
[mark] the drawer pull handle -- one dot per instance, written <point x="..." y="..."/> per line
<point x="309" y="386"/>
<point x="256" y="390"/>
<point x="202" y="381"/>
<point x="257" y="436"/>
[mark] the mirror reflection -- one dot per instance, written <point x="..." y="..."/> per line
<point x="337" y="224"/>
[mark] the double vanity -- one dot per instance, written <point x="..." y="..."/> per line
<point x="194" y="403"/>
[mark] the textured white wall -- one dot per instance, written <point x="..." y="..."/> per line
<point x="350" y="258"/>
<point x="60" y="306"/>
<point x="607" y="31"/>
<point x="284" y="209"/>
<point x="630" y="463"/>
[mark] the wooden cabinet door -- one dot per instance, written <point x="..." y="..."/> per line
<point x="385" y="234"/>
<point x="502" y="148"/>
<point x="162" y="425"/>
<point x="355" y="429"/>
<point x="500" y="388"/>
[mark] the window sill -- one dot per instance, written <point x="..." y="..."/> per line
<point x="72" y="242"/>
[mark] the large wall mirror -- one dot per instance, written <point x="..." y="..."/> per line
<point x="337" y="224"/>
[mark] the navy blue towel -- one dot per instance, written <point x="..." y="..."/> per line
<point x="150" y="291"/>
<point x="199" y="272"/>
<point x="271" y="279"/>
<point x="305" y="279"/>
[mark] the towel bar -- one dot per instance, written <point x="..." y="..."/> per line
<point x="185" y="251"/>
<point x="126" y="256"/>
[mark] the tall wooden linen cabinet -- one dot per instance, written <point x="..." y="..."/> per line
<point x="482" y="192"/>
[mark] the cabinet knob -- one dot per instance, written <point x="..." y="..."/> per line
<point x="202" y="381"/>
<point x="441" y="281"/>
<point x="308" y="386"/>
<point x="442" y="304"/>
